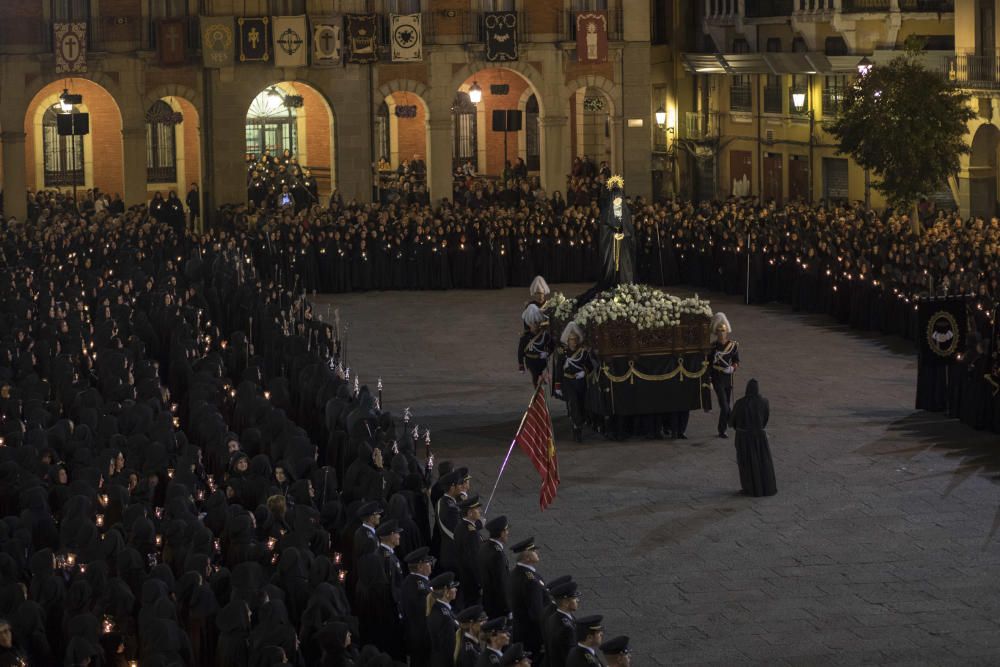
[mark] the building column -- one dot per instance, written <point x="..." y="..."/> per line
<point x="134" y="165"/>
<point x="617" y="128"/>
<point x="555" y="158"/>
<point x="14" y="184"/>
<point x="439" y="152"/>
<point x="964" y="199"/>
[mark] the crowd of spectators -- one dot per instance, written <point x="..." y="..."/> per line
<point x="190" y="477"/>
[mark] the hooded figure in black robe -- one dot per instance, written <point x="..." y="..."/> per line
<point x="617" y="240"/>
<point x="753" y="454"/>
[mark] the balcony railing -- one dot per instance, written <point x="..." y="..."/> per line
<point x="758" y="9"/>
<point x="475" y="27"/>
<point x="859" y="6"/>
<point x="772" y="99"/>
<point x="698" y="126"/>
<point x="615" y="25"/>
<point x="981" y="72"/>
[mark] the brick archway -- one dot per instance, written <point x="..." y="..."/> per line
<point x="172" y="90"/>
<point x="605" y="86"/>
<point x="410" y="86"/>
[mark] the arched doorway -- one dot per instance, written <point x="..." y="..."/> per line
<point x="173" y="146"/>
<point x="293" y="116"/>
<point x="401" y="144"/>
<point x="983" y="171"/>
<point x="55" y="161"/>
<point x="502" y="90"/>
<point x="465" y="130"/>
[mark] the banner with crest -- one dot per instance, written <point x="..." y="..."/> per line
<point x="70" y="43"/>
<point x="501" y="36"/>
<point x="255" y="39"/>
<point x="327" y="41"/>
<point x="217" y="41"/>
<point x="407" y="40"/>
<point x="362" y="38"/>
<point x="290" y="41"/>
<point x="592" y="37"/>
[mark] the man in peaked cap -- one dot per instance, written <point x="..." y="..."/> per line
<point x="471" y="621"/>
<point x="413" y="601"/>
<point x="515" y="656"/>
<point x="559" y="631"/>
<point x="496" y="637"/>
<point x="467" y="542"/>
<point x="448" y="515"/>
<point x="589" y="635"/>
<point x="366" y="536"/>
<point x="527" y="596"/>
<point x="616" y="652"/>
<point x="550" y="602"/>
<point x="442" y="626"/>
<point x="494" y="570"/>
<point x="388" y="535"/>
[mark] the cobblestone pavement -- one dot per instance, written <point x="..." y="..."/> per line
<point x="881" y="546"/>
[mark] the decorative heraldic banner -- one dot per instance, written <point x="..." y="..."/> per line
<point x="291" y="42"/>
<point x="70" y="44"/>
<point x="217" y="41"/>
<point x="592" y="37"/>
<point x="362" y="42"/>
<point x="501" y="36"/>
<point x="255" y="39"/>
<point x="327" y="41"/>
<point x="407" y="40"/>
<point x="942" y="329"/>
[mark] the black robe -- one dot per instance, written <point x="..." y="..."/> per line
<point x="621" y="269"/>
<point x="753" y="454"/>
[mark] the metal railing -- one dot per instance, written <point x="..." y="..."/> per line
<point x="758" y="9"/>
<point x="740" y="98"/>
<point x="832" y="100"/>
<point x="615" y="25"/>
<point x="982" y="72"/>
<point x="772" y="99"/>
<point x="699" y="126"/>
<point x="118" y="34"/>
<point x="857" y="6"/>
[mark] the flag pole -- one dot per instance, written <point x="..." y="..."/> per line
<point x="510" y="450"/>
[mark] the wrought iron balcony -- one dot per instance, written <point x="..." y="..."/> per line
<point x="976" y="72"/>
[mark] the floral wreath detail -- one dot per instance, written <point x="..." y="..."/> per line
<point x="642" y="306"/>
<point x="934" y="344"/>
<point x="593" y="104"/>
<point x="616" y="180"/>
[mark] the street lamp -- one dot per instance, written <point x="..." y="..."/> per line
<point x="475" y="93"/>
<point x="799" y="100"/>
<point x="865" y="66"/>
<point x="661" y="117"/>
<point x="65" y="105"/>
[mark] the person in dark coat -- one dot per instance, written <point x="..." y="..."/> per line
<point x="442" y="626"/>
<point x="494" y="570"/>
<point x="753" y="454"/>
<point x="10" y="656"/>
<point x="413" y="601"/>
<point x="470" y="621"/>
<point x="467" y="543"/>
<point x="559" y="631"/>
<point x="589" y="635"/>
<point x="527" y="596"/>
<point x="496" y="637"/>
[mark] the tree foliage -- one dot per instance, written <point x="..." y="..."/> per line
<point x="907" y="125"/>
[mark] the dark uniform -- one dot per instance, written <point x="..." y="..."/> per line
<point x="494" y="570"/>
<point x="490" y="657"/>
<point x="559" y="629"/>
<point x="467" y="543"/>
<point x="576" y="366"/>
<point x="442" y="627"/>
<point x="724" y="359"/>
<point x="447" y="521"/>
<point x="533" y="353"/>
<point x="527" y="600"/>
<point x="413" y="601"/>
<point x="584" y="656"/>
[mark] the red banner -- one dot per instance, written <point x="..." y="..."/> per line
<point x="170" y="47"/>
<point x="537" y="441"/>
<point x="592" y="37"/>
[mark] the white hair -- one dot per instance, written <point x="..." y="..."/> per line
<point x="532" y="315"/>
<point x="720" y="319"/>
<point x="539" y="285"/>
<point x="572" y="329"/>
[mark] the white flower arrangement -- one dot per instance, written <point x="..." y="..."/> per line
<point x="559" y="307"/>
<point x="642" y="306"/>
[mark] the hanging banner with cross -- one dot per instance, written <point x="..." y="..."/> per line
<point x="170" y="41"/>
<point x="255" y="39"/>
<point x="217" y="41"/>
<point x="326" y="41"/>
<point x="592" y="37"/>
<point x="362" y="39"/>
<point x="407" y="41"/>
<point x="70" y="43"/>
<point x="501" y="36"/>
<point x="291" y="42"/>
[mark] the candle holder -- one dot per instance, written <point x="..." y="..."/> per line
<point x="99" y="521"/>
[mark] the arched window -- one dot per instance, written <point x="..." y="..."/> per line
<point x="63" y="156"/>
<point x="271" y="125"/>
<point x="382" y="144"/>
<point x="463" y="121"/>
<point x="532" y="148"/>
<point x="161" y="144"/>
